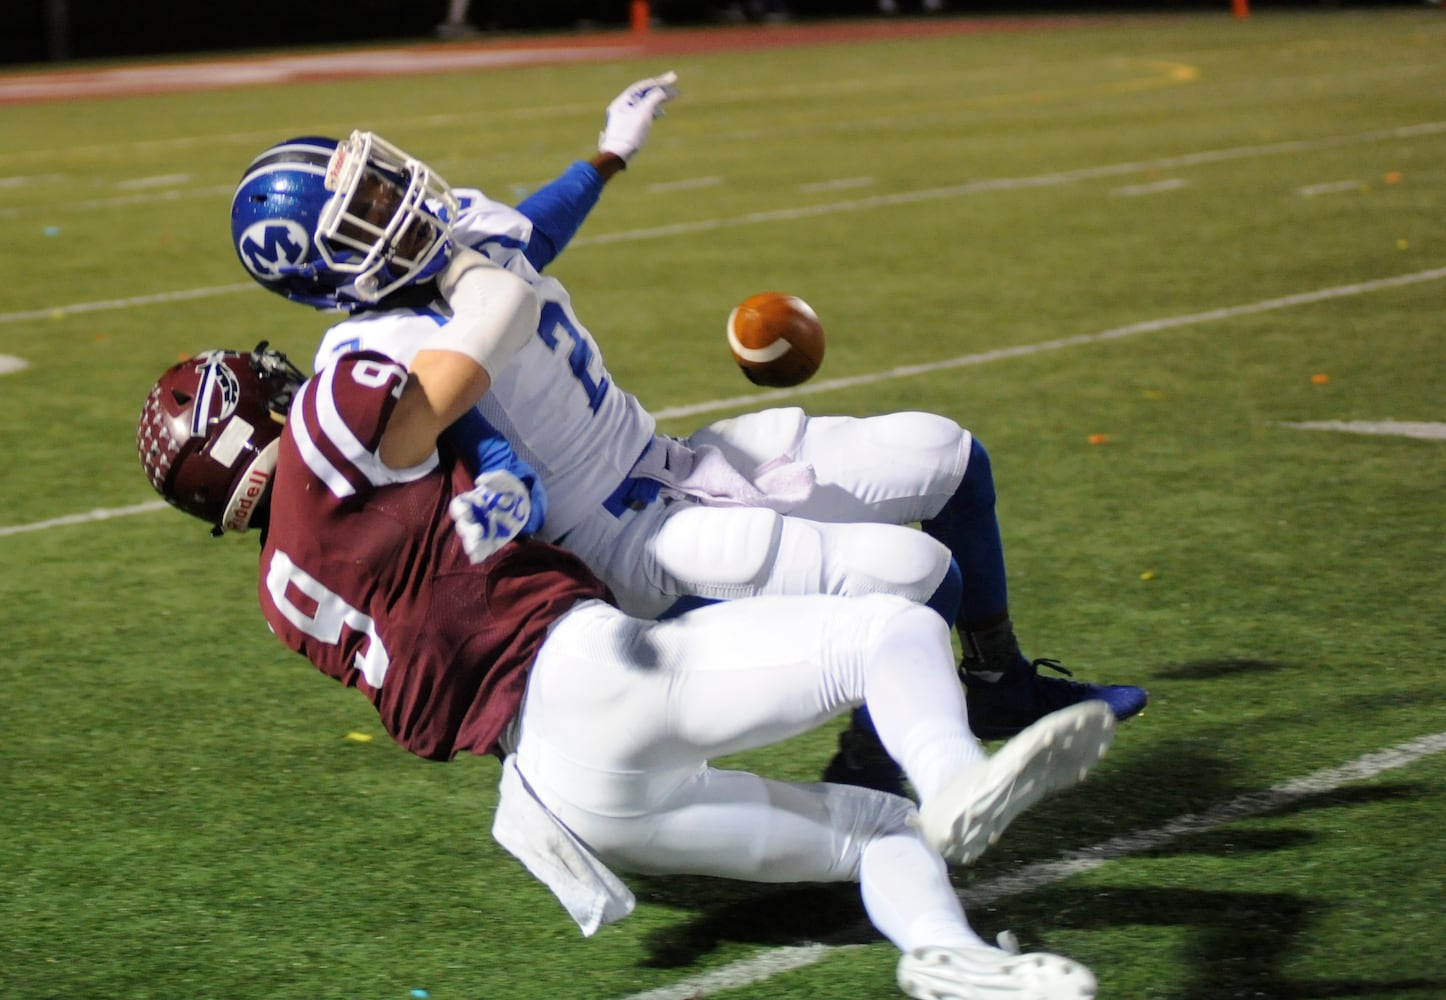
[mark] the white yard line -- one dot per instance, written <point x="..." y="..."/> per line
<point x="1421" y="430"/>
<point x="1024" y="350"/>
<point x="99" y="514"/>
<point x="838" y="185"/>
<point x="812" y="211"/>
<point x="687" y="184"/>
<point x="161" y="181"/>
<point x="771" y="963"/>
<point x="57" y="312"/>
<point x="8" y="183"/>
<point x="1135" y="190"/>
<point x="828" y="385"/>
<point x="1333" y="187"/>
<point x="115" y="201"/>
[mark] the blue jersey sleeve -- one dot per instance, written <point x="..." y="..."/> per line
<point x="483" y="449"/>
<point x="557" y="210"/>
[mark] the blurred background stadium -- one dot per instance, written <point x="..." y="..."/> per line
<point x="33" y="31"/>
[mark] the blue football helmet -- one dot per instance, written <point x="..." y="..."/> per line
<point x="341" y="224"/>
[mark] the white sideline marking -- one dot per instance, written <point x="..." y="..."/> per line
<point x="686" y="185"/>
<point x="1149" y="326"/>
<point x="1040" y="874"/>
<point x="99" y="514"/>
<point x="1395" y="428"/>
<point x="812" y="388"/>
<point x="10" y="363"/>
<point x="1133" y="190"/>
<point x="1334" y="187"/>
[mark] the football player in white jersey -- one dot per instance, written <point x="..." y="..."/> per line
<point x="773" y="502"/>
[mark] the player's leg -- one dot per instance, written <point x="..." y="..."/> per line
<point x="924" y="467"/>
<point x="897" y="468"/>
<point x="621" y="715"/>
<point x="732" y="824"/>
<point x="629" y="698"/>
<point x="620" y="712"/>
<point x="662" y="551"/>
<point x="724" y="553"/>
<point x="1006" y="691"/>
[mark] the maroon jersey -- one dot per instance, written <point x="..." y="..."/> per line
<point x="363" y="572"/>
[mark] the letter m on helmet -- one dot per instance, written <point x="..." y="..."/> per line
<point x="272" y="249"/>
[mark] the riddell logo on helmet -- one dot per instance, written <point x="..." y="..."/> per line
<point x="248" y="495"/>
<point x="335" y="167"/>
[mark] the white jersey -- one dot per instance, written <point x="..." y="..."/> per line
<point x="562" y="413"/>
<point x="554" y="400"/>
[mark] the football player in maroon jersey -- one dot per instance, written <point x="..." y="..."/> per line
<point x="399" y="570"/>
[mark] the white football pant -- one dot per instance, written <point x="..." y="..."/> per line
<point x="876" y="476"/>
<point x="622" y="716"/>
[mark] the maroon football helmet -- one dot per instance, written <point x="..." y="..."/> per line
<point x="210" y="429"/>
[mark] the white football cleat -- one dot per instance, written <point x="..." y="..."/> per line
<point x="973" y="809"/>
<point x="984" y="973"/>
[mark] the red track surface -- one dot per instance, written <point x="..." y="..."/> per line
<point x="135" y="79"/>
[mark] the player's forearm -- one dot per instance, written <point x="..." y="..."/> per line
<point x="558" y="208"/>
<point x="494" y="312"/>
<point x="608" y="165"/>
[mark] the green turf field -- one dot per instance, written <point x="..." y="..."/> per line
<point x="1131" y="256"/>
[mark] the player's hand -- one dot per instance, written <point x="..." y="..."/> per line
<point x="491" y="514"/>
<point x="631" y="115"/>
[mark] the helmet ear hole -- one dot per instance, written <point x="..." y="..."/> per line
<point x="181" y="398"/>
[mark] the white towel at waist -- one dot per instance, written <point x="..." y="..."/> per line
<point x="592" y="894"/>
<point x="705" y="474"/>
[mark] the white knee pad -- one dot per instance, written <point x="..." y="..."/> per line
<point x="879" y="559"/>
<point x="719" y="552"/>
<point x="754" y="438"/>
<point x="730" y="552"/>
<point x="862" y="816"/>
<point x="895" y="468"/>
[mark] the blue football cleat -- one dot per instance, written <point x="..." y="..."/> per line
<point x="1000" y="709"/>
<point x="862" y="760"/>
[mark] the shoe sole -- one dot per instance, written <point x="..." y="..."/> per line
<point x="1055" y="753"/>
<point x="980" y="974"/>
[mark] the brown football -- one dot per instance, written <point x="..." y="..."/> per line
<point x="776" y="339"/>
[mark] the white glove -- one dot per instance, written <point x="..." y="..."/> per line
<point x="491" y="514"/>
<point x="631" y="115"/>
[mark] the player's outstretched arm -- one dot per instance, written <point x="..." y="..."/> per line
<point x="558" y="208"/>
